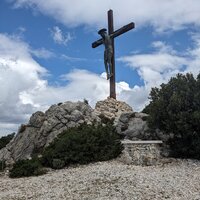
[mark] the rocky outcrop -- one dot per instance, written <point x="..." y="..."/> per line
<point x="42" y="128"/>
<point x="131" y="125"/>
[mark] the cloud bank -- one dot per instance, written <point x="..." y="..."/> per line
<point x="24" y="86"/>
<point x="158" y="67"/>
<point x="162" y="15"/>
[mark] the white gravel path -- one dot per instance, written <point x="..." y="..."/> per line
<point x="178" y="180"/>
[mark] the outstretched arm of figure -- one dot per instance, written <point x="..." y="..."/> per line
<point x="116" y="33"/>
<point x="97" y="43"/>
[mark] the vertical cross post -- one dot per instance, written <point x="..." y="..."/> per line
<point x="112" y="34"/>
<point x="112" y="78"/>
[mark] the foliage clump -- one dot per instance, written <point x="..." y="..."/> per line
<point x="175" y="108"/>
<point x="5" y="140"/>
<point x="86" y="101"/>
<point x="2" y="165"/>
<point x="82" y="145"/>
<point x="25" y="168"/>
<point x="78" y="145"/>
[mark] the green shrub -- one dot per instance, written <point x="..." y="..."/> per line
<point x="86" y="101"/>
<point x="2" y="165"/>
<point x="106" y="120"/>
<point x="5" y="140"/>
<point x="175" y="108"/>
<point x="145" y="118"/>
<point x="81" y="145"/>
<point x="186" y="146"/>
<point x="25" y="168"/>
<point x="58" y="163"/>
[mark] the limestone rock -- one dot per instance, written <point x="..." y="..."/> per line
<point x="112" y="108"/>
<point x="134" y="126"/>
<point x="37" y="119"/>
<point x="42" y="128"/>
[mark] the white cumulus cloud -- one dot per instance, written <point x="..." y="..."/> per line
<point x="18" y="72"/>
<point x="158" y="67"/>
<point x="42" y="53"/>
<point x="59" y="37"/>
<point x="24" y="87"/>
<point x="163" y="15"/>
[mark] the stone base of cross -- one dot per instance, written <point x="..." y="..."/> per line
<point x="112" y="35"/>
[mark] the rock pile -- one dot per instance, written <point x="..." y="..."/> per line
<point x="111" y="108"/>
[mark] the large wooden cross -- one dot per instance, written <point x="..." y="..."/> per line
<point x="112" y="35"/>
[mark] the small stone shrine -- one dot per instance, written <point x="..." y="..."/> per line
<point x="141" y="152"/>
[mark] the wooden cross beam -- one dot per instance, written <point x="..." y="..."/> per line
<point x="113" y="34"/>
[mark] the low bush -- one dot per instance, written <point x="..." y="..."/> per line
<point x="185" y="146"/>
<point x="175" y="108"/>
<point x="81" y="145"/>
<point x="25" y="168"/>
<point x="2" y="165"/>
<point x="5" y="140"/>
<point x="86" y="101"/>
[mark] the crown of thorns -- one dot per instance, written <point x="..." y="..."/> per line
<point x="103" y="30"/>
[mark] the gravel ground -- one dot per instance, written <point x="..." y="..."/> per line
<point x="178" y="179"/>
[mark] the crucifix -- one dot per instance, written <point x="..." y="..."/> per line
<point x="109" y="53"/>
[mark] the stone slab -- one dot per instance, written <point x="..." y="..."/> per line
<point x="142" y="142"/>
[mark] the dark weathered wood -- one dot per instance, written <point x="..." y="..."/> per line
<point x="116" y="33"/>
<point x="122" y="30"/>
<point x="112" y="78"/>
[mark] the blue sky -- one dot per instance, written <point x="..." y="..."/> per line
<point x="46" y="55"/>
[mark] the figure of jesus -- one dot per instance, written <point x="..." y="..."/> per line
<point x="108" y="52"/>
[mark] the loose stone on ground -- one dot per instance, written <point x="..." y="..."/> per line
<point x="175" y="180"/>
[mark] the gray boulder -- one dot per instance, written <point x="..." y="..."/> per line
<point x="133" y="126"/>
